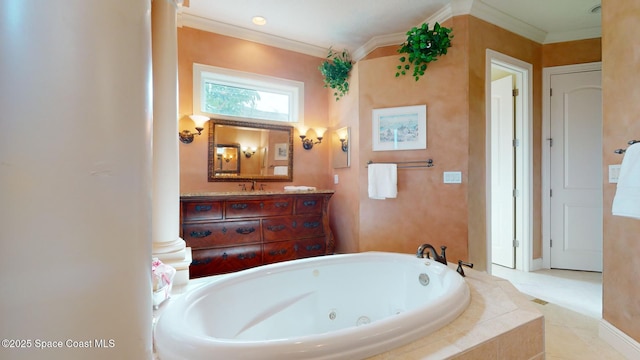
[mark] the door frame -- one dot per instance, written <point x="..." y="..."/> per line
<point x="547" y="72"/>
<point x="523" y="72"/>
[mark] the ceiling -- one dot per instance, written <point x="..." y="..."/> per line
<point x="360" y="26"/>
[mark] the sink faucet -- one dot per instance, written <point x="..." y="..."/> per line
<point x="253" y="185"/>
<point x="442" y="258"/>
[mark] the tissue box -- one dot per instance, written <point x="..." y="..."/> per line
<point x="162" y="281"/>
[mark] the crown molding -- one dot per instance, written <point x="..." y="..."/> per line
<point x="398" y="38"/>
<point x="582" y="34"/>
<point x="217" y="27"/>
<point x="496" y="17"/>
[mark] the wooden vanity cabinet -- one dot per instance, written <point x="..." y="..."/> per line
<point x="231" y="232"/>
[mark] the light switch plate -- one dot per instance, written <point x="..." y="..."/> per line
<point x="452" y="177"/>
<point x="335" y="179"/>
<point x="614" y="173"/>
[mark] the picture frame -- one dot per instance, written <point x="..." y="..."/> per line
<point x="400" y="128"/>
<point x="281" y="151"/>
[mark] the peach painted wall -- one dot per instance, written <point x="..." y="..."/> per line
<point x="197" y="46"/>
<point x="572" y="52"/>
<point x="485" y="36"/>
<point x="620" y="77"/>
<point x="426" y="210"/>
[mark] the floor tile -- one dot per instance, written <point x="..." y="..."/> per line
<point x="572" y="311"/>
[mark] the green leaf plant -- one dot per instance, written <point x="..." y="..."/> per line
<point x="422" y="47"/>
<point x="335" y="70"/>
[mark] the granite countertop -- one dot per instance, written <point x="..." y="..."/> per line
<point x="254" y="193"/>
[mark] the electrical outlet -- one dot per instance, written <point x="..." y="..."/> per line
<point x="335" y="179"/>
<point x="452" y="177"/>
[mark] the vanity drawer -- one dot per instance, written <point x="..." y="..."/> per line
<point x="221" y="233"/>
<point x="279" y="251"/>
<point x="292" y="227"/>
<point x="224" y="260"/>
<point x="256" y="208"/>
<point x="310" y="247"/>
<point x="309" y="205"/>
<point x="205" y="210"/>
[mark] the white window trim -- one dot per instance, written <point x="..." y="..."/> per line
<point x="250" y="80"/>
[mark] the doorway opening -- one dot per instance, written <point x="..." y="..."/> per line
<point x="509" y="161"/>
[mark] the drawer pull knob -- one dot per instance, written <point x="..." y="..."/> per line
<point x="278" y="252"/>
<point x="282" y="204"/>
<point x="309" y="203"/>
<point x="247" y="256"/>
<point x="201" y="262"/>
<point x="311" y="224"/>
<point x="200" y="234"/>
<point x="276" y="227"/>
<point x="245" y="231"/>
<point x="314" y="247"/>
<point x="203" y="207"/>
<point x="239" y="206"/>
<point x="224" y="256"/>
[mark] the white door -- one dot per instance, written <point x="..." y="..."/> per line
<point x="502" y="173"/>
<point x="576" y="171"/>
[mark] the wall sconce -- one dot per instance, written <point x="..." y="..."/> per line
<point x="227" y="157"/>
<point x="307" y="144"/>
<point x="345" y="145"/>
<point x="248" y="152"/>
<point x="187" y="136"/>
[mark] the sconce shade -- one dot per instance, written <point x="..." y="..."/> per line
<point x="199" y="120"/>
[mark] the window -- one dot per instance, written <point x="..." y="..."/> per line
<point x="237" y="94"/>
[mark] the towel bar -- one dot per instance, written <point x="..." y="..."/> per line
<point x="408" y="164"/>
<point x="621" y="151"/>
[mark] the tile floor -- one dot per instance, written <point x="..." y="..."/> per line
<point x="572" y="314"/>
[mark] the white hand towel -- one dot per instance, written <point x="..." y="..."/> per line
<point x="280" y="170"/>
<point x="383" y="181"/>
<point x="627" y="199"/>
<point x="299" y="188"/>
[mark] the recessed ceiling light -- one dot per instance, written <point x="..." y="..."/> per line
<point x="259" y="20"/>
<point x="596" y="9"/>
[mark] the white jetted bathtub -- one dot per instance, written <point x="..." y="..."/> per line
<point x="347" y="306"/>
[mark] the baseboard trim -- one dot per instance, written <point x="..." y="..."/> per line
<point x="620" y="341"/>
<point x="536" y="264"/>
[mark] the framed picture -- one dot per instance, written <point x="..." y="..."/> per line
<point x="400" y="128"/>
<point x="282" y="152"/>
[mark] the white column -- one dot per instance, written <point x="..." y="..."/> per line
<point x="75" y="178"/>
<point x="167" y="244"/>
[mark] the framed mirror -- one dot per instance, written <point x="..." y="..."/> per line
<point x="264" y="152"/>
<point x="340" y="148"/>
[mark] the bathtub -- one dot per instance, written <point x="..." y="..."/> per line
<point x="348" y="306"/>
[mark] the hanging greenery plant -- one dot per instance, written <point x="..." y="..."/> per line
<point x="335" y="70"/>
<point x="422" y="47"/>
